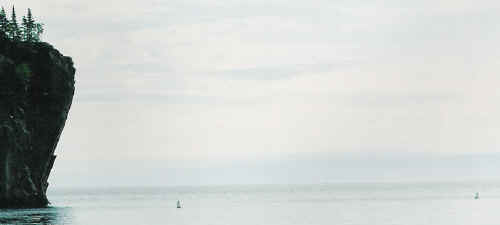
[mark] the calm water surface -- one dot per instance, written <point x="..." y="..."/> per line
<point x="341" y="204"/>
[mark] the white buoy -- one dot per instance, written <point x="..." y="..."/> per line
<point x="179" y="204"/>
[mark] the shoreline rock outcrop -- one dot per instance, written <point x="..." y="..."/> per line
<point x="36" y="92"/>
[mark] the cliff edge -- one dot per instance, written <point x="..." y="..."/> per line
<point x="36" y="91"/>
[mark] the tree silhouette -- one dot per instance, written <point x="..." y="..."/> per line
<point x="35" y="30"/>
<point x="38" y="32"/>
<point x="29" y="31"/>
<point x="4" y="22"/>
<point x="14" y="31"/>
<point x="24" y="28"/>
<point x="31" y="25"/>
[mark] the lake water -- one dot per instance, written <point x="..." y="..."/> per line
<point x="340" y="204"/>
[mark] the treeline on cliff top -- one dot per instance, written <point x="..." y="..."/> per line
<point x="28" y="31"/>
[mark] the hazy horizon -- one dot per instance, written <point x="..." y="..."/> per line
<point x="195" y="92"/>
<point x="292" y="169"/>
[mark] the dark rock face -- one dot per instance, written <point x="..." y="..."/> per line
<point x="36" y="91"/>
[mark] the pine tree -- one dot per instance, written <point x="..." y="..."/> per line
<point x="30" y="27"/>
<point x="14" y="28"/>
<point x="25" y="35"/>
<point x="29" y="30"/>
<point x="38" y="30"/>
<point x="4" y="23"/>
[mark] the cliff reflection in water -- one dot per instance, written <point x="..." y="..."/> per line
<point x="50" y="215"/>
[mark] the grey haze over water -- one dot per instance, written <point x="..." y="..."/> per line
<point x="217" y="92"/>
<point x="433" y="203"/>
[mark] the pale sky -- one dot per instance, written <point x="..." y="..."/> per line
<point x="185" y="92"/>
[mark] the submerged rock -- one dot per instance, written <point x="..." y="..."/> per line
<point x="36" y="91"/>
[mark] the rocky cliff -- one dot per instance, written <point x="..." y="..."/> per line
<point x="36" y="91"/>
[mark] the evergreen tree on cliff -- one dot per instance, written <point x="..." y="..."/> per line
<point x="35" y="29"/>
<point x="30" y="30"/>
<point x="24" y="29"/>
<point x="14" y="32"/>
<point x="4" y="22"/>
<point x="38" y="32"/>
<point x="30" y="26"/>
